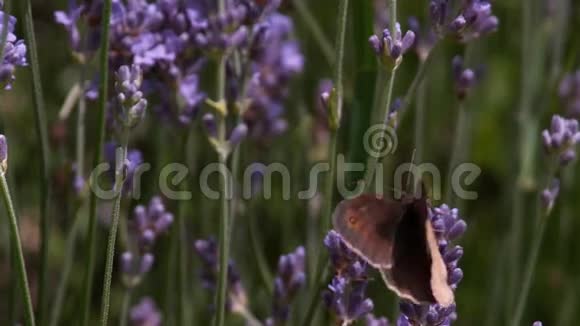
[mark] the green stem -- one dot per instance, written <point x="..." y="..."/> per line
<point x="334" y="122"/>
<point x="265" y="273"/>
<point x="118" y="188"/>
<point x="92" y="227"/>
<point x="314" y="301"/>
<point x="419" y="75"/>
<point x="224" y="251"/>
<point x="42" y="135"/>
<point x="181" y="248"/>
<point x="125" y="307"/>
<point x="224" y="233"/>
<point x="65" y="271"/>
<point x="462" y="128"/>
<point x="529" y="271"/>
<point x="382" y="117"/>
<point x="316" y="30"/>
<point x="523" y="119"/>
<point x="80" y="148"/>
<point x="17" y="248"/>
<point x="537" y="239"/>
<point x="420" y="122"/>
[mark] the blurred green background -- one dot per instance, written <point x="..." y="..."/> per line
<point x="494" y="106"/>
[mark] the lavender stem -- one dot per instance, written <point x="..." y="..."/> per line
<point x="537" y="239"/>
<point x="118" y="188"/>
<point x="334" y="124"/>
<point x="42" y="137"/>
<point x="382" y="115"/>
<point x="224" y="233"/>
<point x="17" y="248"/>
<point x="316" y="30"/>
<point x="419" y="75"/>
<point x="92" y="227"/>
<point x="67" y="265"/>
<point x="265" y="273"/>
<point x="125" y="307"/>
<point x="462" y="129"/>
<point x="420" y="122"/>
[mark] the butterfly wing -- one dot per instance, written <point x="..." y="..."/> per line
<point x="418" y="273"/>
<point x="367" y="225"/>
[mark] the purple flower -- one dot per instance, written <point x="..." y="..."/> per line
<point x="275" y="60"/>
<point x="448" y="226"/>
<point x="13" y="53"/>
<point x="129" y="96"/>
<point x="537" y="323"/>
<point x="134" y="266"/>
<point x="208" y="252"/>
<point x="474" y="19"/>
<point x="424" y="39"/>
<point x="561" y="138"/>
<point x="289" y="279"/>
<point x="371" y="320"/>
<point x="70" y="19"/>
<point x="149" y="222"/>
<point x="549" y="195"/>
<point x="145" y="313"/>
<point x="221" y="33"/>
<point x="3" y="154"/>
<point x="569" y="92"/>
<point x="346" y="293"/>
<point x="464" y="78"/>
<point x="391" y="48"/>
<point x="192" y="97"/>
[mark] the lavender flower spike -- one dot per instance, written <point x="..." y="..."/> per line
<point x="290" y="278"/>
<point x="127" y="85"/>
<point x="561" y="138"/>
<point x="134" y="267"/>
<point x="464" y="78"/>
<point x="371" y="320"/>
<point x="13" y="54"/>
<point x="149" y="222"/>
<point x="145" y="313"/>
<point x="569" y="92"/>
<point x="208" y="252"/>
<point x="346" y="294"/>
<point x="390" y="48"/>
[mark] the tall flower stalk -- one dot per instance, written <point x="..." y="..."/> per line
<point x="334" y="104"/>
<point x="131" y="110"/>
<point x="103" y="99"/>
<point x="224" y="223"/>
<point x="42" y="137"/>
<point x="389" y="48"/>
<point x="560" y="142"/>
<point x="15" y="235"/>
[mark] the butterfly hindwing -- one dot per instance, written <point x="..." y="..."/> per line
<point x="367" y="225"/>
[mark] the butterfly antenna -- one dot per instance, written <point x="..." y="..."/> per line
<point x="410" y="173"/>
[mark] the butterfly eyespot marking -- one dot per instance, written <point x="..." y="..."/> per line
<point x="352" y="220"/>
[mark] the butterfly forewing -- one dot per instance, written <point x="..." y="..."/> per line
<point x="367" y="224"/>
<point x="418" y="272"/>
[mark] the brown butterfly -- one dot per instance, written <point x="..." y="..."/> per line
<point x="396" y="237"/>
